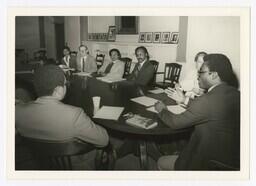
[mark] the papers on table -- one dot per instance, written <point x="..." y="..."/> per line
<point x="82" y="74"/>
<point x="68" y="69"/>
<point x="110" y="79"/>
<point x="108" y="112"/>
<point x="157" y="91"/>
<point x="175" y="109"/>
<point x="144" y="100"/>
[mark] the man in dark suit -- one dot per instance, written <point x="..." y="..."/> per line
<point x="68" y="60"/>
<point x="143" y="71"/>
<point x="141" y="77"/>
<point x="215" y="117"/>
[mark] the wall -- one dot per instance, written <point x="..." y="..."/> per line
<point x="28" y="37"/>
<point x="163" y="53"/>
<point x="27" y="34"/>
<point x="72" y="32"/>
<point x="50" y="43"/>
<point x="214" y="35"/>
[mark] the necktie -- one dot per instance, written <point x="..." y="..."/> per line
<point x="82" y="65"/>
<point x="66" y="58"/>
<point x="108" y="68"/>
<point x="136" y="70"/>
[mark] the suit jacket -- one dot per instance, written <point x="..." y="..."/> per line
<point x="88" y="66"/>
<point x="72" y="61"/>
<point x="216" y="136"/>
<point x="49" y="119"/>
<point x="145" y="75"/>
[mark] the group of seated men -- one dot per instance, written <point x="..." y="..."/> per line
<point x="142" y="73"/>
<point x="214" y="113"/>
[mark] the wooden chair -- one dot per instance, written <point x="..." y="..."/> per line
<point x="73" y="53"/>
<point x="127" y="67"/>
<point x="56" y="155"/>
<point x="155" y="64"/>
<point x="171" y="75"/>
<point x="99" y="60"/>
<point x="217" y="165"/>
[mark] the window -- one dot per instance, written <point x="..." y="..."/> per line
<point x="127" y="24"/>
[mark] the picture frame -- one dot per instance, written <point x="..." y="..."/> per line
<point x="148" y="37"/>
<point x="156" y="37"/>
<point x="142" y="37"/>
<point x="111" y="33"/>
<point x="174" y="39"/>
<point x="165" y="37"/>
<point x="89" y="36"/>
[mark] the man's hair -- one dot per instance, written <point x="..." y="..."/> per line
<point x="67" y="48"/>
<point x="84" y="47"/>
<point x="142" y="48"/>
<point x="221" y="64"/>
<point x="116" y="50"/>
<point x="47" y="78"/>
<point x="199" y="54"/>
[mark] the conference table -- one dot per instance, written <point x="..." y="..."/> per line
<point x="139" y="141"/>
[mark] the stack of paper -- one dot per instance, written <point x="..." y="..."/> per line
<point x="157" y="91"/>
<point x="82" y="74"/>
<point x="144" y="100"/>
<point x="110" y="79"/>
<point x="108" y="112"/>
<point x="175" y="109"/>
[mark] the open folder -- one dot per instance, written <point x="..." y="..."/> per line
<point x="144" y="100"/>
<point x="108" y="112"/>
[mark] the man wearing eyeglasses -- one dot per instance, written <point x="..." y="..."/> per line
<point x="215" y="117"/>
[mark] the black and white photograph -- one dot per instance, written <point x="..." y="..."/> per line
<point x="149" y="37"/>
<point x="112" y="33"/>
<point x="156" y="37"/>
<point x="130" y="104"/>
<point x="174" y="38"/>
<point x="165" y="37"/>
<point x="142" y="37"/>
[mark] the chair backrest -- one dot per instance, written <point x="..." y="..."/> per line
<point x="73" y="53"/>
<point x="56" y="155"/>
<point x="155" y="64"/>
<point x="127" y="67"/>
<point x="172" y="72"/>
<point x="100" y="60"/>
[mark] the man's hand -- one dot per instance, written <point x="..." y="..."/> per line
<point x="176" y="94"/>
<point x="159" y="106"/>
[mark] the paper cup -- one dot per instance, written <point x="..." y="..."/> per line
<point x="96" y="104"/>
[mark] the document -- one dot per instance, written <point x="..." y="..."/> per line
<point x="157" y="91"/>
<point x="108" y="112"/>
<point x="110" y="80"/>
<point x="144" y="100"/>
<point x="82" y="74"/>
<point x="175" y="109"/>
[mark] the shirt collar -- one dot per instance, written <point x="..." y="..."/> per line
<point x="142" y="63"/>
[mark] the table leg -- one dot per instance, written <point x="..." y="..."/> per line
<point x="143" y="155"/>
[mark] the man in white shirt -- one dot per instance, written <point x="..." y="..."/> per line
<point x="85" y="62"/>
